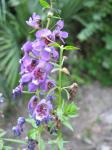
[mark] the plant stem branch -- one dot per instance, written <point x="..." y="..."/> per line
<point x="60" y="75"/>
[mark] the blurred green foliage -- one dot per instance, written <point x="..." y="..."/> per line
<point x="89" y="23"/>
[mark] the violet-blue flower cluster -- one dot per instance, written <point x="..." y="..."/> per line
<point x="36" y="66"/>
<point x="18" y="129"/>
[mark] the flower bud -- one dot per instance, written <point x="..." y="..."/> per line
<point x="21" y="121"/>
<point x="50" y="14"/>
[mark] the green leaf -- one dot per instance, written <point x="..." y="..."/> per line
<point x="31" y="121"/>
<point x="3" y="133"/>
<point x="68" y="125"/>
<point x="15" y="141"/>
<point x="54" y="44"/>
<point x="41" y="144"/>
<point x="1" y="144"/>
<point x="60" y="143"/>
<point x="71" y="48"/>
<point x="70" y="110"/>
<point x="44" y="4"/>
<point x="88" y="31"/>
<point x="7" y="148"/>
<point x="32" y="134"/>
<point x="52" y="142"/>
<point x="108" y="41"/>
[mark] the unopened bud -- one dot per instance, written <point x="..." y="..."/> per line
<point x="50" y="14"/>
<point x="73" y="91"/>
<point x="65" y="70"/>
<point x="65" y="57"/>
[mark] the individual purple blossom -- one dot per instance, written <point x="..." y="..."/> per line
<point x="16" y="131"/>
<point x="43" y="34"/>
<point x="60" y="24"/>
<point x="57" y="33"/>
<point x="27" y="47"/>
<point x="32" y="65"/>
<point x="28" y="64"/>
<point x="32" y="104"/>
<point x="39" y="75"/>
<point x="42" y="110"/>
<point x="25" y="62"/>
<point x="32" y="86"/>
<point x="51" y="96"/>
<point x="48" y="85"/>
<point x="54" y="55"/>
<point x="45" y="56"/>
<point x="34" y="21"/>
<point x="41" y="71"/>
<point x="18" y="90"/>
<point x="26" y="78"/>
<point x="21" y="121"/>
<point x="38" y="46"/>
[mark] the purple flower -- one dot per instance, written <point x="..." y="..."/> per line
<point x="57" y="33"/>
<point x="45" y="56"/>
<point x="17" y="130"/>
<point x="36" y="66"/>
<point x="38" y="46"/>
<point x="39" y="73"/>
<point x="26" y="78"/>
<point x="32" y="86"/>
<point x="60" y="24"/>
<point x="21" y="121"/>
<point x="51" y="97"/>
<point x="27" y="47"/>
<point x="55" y="54"/>
<point x="32" y="104"/>
<point x="25" y="61"/>
<point x="43" y="34"/>
<point x="48" y="85"/>
<point x="34" y="21"/>
<point x="17" y="91"/>
<point x="32" y="65"/>
<point x="61" y="35"/>
<point x="42" y="110"/>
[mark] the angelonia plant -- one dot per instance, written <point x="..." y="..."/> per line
<point x="50" y="106"/>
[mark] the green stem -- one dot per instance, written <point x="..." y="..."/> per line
<point x="49" y="17"/>
<point x="48" y="22"/>
<point x="60" y="75"/>
<point x="60" y="86"/>
<point x="26" y="92"/>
